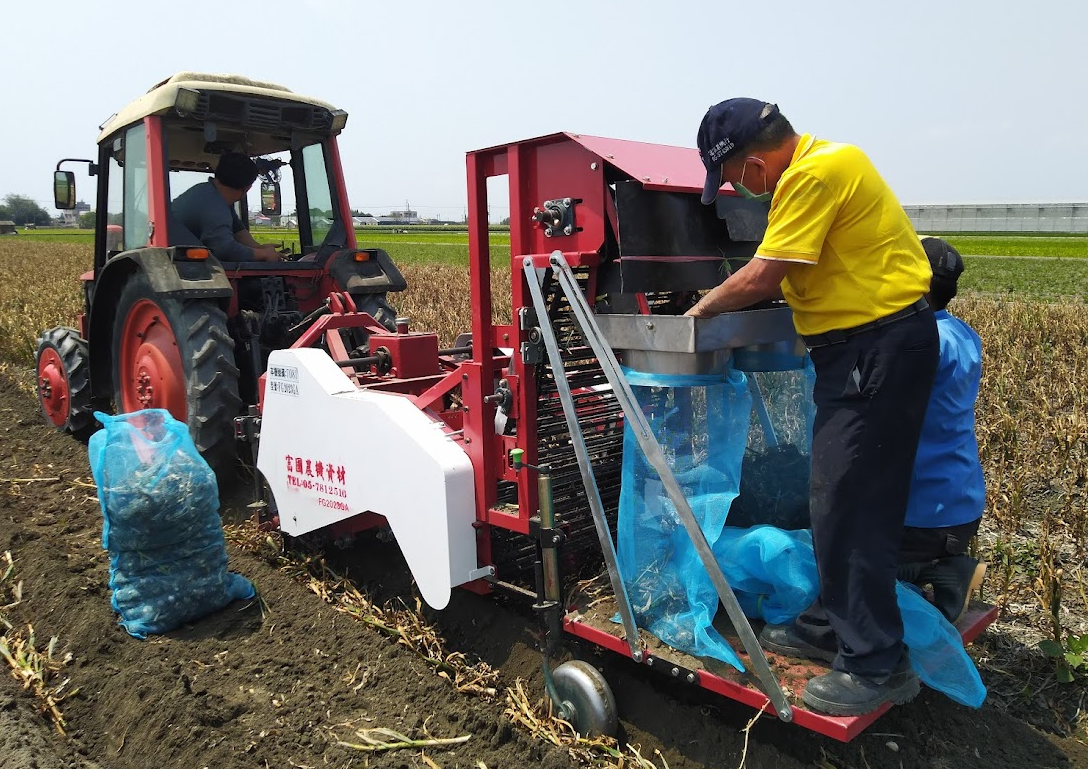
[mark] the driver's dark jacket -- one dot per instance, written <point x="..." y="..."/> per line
<point x="208" y="216"/>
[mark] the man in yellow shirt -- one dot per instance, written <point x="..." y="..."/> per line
<point x="843" y="254"/>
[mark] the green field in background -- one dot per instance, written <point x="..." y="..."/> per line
<point x="1004" y="273"/>
<point x="1017" y="278"/>
<point x="411" y="247"/>
<point x="1065" y="246"/>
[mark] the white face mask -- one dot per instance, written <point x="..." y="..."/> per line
<point x="744" y="192"/>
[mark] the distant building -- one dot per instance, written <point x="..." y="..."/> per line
<point x="71" y="218"/>
<point x="364" y="221"/>
<point x="406" y="216"/>
<point x="999" y="217"/>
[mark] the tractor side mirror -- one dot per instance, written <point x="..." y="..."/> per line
<point x="64" y="190"/>
<point x="270" y="198"/>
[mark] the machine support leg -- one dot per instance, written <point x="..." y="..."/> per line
<point x="549" y="556"/>
<point x="593" y="494"/>
<point x="549" y="605"/>
<point x="650" y="446"/>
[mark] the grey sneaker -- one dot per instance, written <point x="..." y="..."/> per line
<point x="838" y="693"/>
<point x="781" y="639"/>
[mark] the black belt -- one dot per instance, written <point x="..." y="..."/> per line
<point x="840" y="335"/>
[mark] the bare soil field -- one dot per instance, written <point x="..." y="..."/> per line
<point x="296" y="680"/>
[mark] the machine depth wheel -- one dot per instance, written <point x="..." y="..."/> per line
<point x="64" y="385"/>
<point x="177" y="355"/>
<point x="585" y="692"/>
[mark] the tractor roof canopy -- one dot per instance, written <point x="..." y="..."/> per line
<point x="209" y="114"/>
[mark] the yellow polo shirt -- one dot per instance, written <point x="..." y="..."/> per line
<point x="856" y="256"/>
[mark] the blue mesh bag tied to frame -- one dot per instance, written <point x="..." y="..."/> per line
<point x="773" y="574"/>
<point x="774" y="481"/>
<point x="936" y="650"/>
<point x="772" y="571"/>
<point x="706" y="430"/>
<point x="161" y="526"/>
<point x="701" y="422"/>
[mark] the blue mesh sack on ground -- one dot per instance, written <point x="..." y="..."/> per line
<point x="772" y="571"/>
<point x="936" y="650"/>
<point x="160" y="510"/>
<point x="701" y="423"/>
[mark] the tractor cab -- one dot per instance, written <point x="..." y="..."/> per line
<point x="169" y="325"/>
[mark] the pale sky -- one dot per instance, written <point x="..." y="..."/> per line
<point x="954" y="101"/>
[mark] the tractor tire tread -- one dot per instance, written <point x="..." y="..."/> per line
<point x="213" y="381"/>
<point x="199" y="328"/>
<point x="73" y="352"/>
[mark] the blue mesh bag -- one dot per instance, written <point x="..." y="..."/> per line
<point x="936" y="650"/>
<point x="701" y="423"/>
<point x="773" y="574"/>
<point x="774" y="482"/>
<point x="160" y="510"/>
<point x="772" y="571"/>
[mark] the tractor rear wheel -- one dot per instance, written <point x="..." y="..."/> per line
<point x="64" y="385"/>
<point x="176" y="354"/>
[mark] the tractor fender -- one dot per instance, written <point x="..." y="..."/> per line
<point x="374" y="273"/>
<point x="185" y="278"/>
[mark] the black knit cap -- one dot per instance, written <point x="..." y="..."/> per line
<point x="236" y="170"/>
<point x="943" y="258"/>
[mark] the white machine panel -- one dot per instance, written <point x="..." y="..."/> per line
<point x="330" y="451"/>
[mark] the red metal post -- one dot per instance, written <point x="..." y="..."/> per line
<point x="521" y="244"/>
<point x="341" y="190"/>
<point x="478" y="375"/>
<point x="158" y="207"/>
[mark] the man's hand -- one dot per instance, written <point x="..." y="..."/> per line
<point x="755" y="281"/>
<point x="267" y="254"/>
<point x="698" y="311"/>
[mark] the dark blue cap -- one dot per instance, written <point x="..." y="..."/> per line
<point x="726" y="129"/>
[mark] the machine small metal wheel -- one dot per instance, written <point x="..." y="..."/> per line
<point x="587" y="697"/>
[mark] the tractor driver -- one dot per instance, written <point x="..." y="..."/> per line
<point x="844" y="255"/>
<point x="207" y="210"/>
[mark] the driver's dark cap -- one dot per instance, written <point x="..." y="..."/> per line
<point x="236" y="170"/>
<point x="727" y="128"/>
<point x="943" y="258"/>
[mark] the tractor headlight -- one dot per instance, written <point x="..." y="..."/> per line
<point x="186" y="101"/>
<point x="339" y="120"/>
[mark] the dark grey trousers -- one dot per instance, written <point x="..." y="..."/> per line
<point x="921" y="545"/>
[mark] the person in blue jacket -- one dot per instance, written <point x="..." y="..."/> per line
<point x="947" y="492"/>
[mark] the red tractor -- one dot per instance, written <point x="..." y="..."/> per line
<point x="167" y="325"/>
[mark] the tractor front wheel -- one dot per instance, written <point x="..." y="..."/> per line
<point x="176" y="354"/>
<point x="64" y="385"/>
